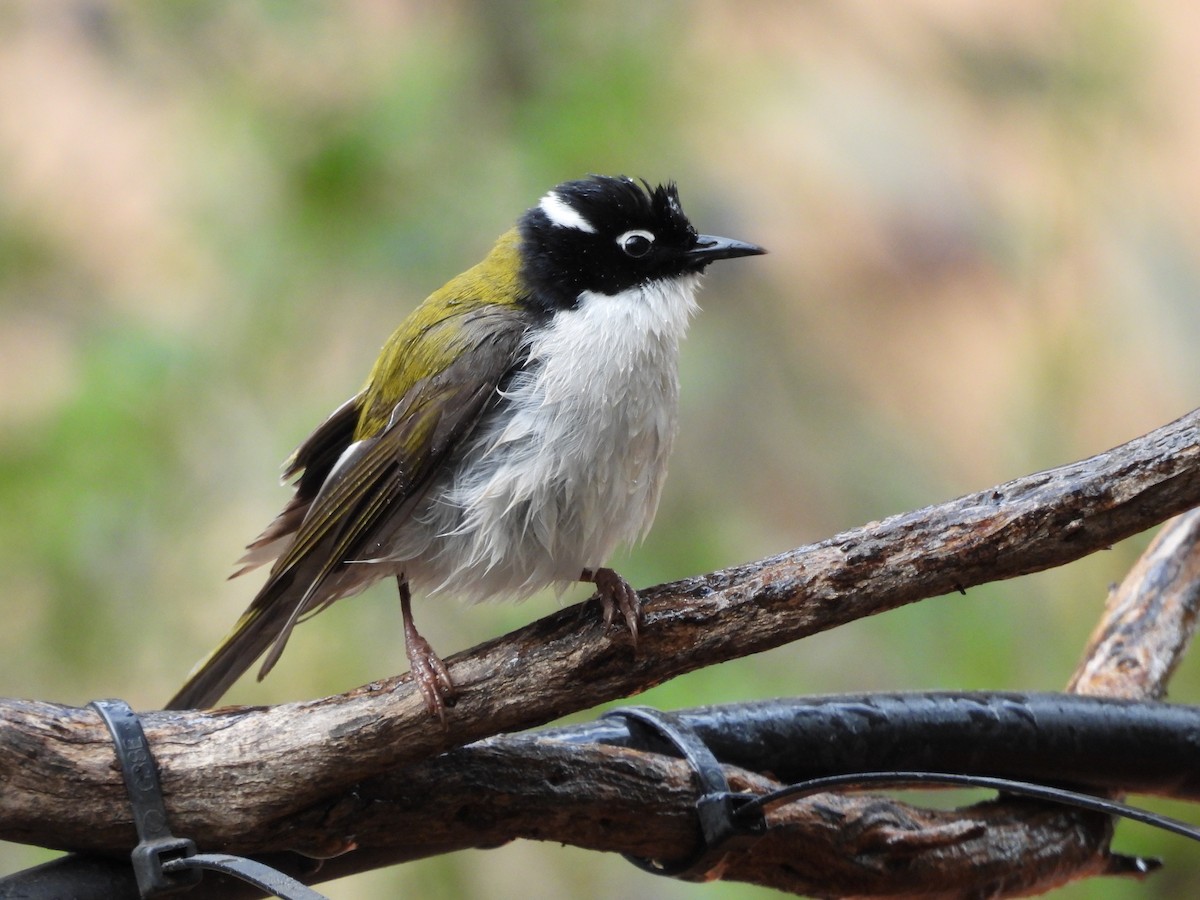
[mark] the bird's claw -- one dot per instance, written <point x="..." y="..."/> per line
<point x="430" y="675"/>
<point x="616" y="595"/>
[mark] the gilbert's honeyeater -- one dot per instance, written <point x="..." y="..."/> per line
<point x="513" y="432"/>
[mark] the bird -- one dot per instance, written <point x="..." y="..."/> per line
<point x="513" y="432"/>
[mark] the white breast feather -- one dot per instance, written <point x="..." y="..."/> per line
<point x="576" y="466"/>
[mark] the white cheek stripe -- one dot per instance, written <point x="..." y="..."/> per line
<point x="563" y="215"/>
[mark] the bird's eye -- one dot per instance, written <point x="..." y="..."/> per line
<point x="636" y="243"/>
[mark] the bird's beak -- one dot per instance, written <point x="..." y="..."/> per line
<point x="709" y="248"/>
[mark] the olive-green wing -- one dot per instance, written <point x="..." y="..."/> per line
<point x="378" y="476"/>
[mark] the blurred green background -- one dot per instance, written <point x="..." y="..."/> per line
<point x="984" y="224"/>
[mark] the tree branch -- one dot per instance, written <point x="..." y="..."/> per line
<point x="282" y="766"/>
<point x="1149" y="620"/>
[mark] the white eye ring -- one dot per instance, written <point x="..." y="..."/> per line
<point x="636" y="243"/>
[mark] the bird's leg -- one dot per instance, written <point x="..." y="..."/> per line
<point x="428" y="671"/>
<point x="615" y="596"/>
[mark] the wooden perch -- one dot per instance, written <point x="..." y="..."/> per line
<point x="608" y="798"/>
<point x="294" y="776"/>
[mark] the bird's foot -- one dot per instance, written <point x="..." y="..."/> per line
<point x="429" y="673"/>
<point x="616" y="595"/>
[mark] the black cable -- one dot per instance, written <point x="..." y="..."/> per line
<point x="728" y="820"/>
<point x="863" y="780"/>
<point x="1090" y="743"/>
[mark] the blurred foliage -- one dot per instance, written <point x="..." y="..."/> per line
<point x="984" y="222"/>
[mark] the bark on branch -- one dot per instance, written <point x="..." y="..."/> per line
<point x="284" y="775"/>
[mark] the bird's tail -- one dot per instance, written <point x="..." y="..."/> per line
<point x="261" y="626"/>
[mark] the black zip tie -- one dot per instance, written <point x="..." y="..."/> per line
<point x="156" y="844"/>
<point x="722" y="826"/>
<point x="251" y="871"/>
<point x="162" y="863"/>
